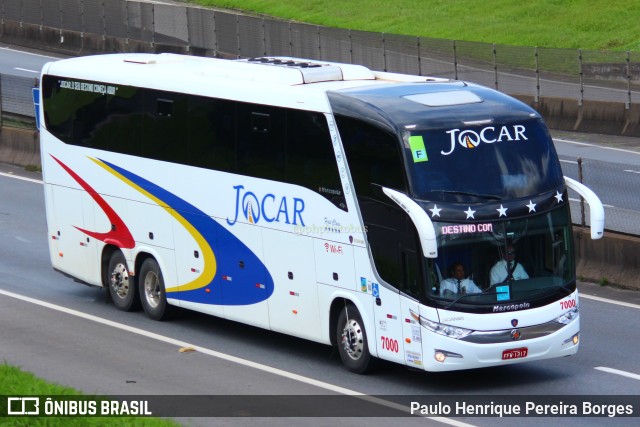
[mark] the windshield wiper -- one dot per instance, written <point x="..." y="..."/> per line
<point x="468" y="193"/>
<point x="463" y="296"/>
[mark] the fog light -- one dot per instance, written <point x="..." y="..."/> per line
<point x="574" y="339"/>
<point x="439" y="356"/>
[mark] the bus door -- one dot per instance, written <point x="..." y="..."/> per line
<point x="398" y="259"/>
<point x="391" y="304"/>
<point x="413" y="289"/>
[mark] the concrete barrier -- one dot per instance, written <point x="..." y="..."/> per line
<point x="20" y="146"/>
<point x="612" y="260"/>
<point x="610" y="118"/>
<point x="73" y="43"/>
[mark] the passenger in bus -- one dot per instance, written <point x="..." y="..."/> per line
<point x="507" y="268"/>
<point x="457" y="284"/>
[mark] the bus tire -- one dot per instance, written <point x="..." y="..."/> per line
<point x="152" y="292"/>
<point x="351" y="339"/>
<point x="121" y="285"/>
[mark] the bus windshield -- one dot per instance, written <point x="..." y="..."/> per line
<point x="489" y="161"/>
<point x="523" y="261"/>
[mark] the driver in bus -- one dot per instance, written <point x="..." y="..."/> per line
<point x="507" y="268"/>
<point x="457" y="284"/>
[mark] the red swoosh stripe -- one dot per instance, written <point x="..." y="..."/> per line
<point x="119" y="234"/>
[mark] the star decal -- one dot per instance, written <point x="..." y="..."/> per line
<point x="558" y="196"/>
<point x="502" y="210"/>
<point x="435" y="211"/>
<point x="469" y="213"/>
<point x="531" y="206"/>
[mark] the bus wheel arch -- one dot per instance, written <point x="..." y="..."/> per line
<point x="121" y="286"/>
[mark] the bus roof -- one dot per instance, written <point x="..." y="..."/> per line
<point x="281" y="81"/>
<point x="396" y="99"/>
<point x="448" y="104"/>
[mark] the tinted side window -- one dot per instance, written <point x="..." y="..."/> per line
<point x="311" y="161"/>
<point x="73" y="111"/>
<point x="165" y="126"/>
<point x="373" y="155"/>
<point x="211" y="127"/>
<point x="260" y="141"/>
<point x="122" y="130"/>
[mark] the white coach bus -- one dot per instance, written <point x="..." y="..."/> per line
<point x="321" y="200"/>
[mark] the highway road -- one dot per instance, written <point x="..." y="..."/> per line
<point x="611" y="168"/>
<point x="67" y="333"/>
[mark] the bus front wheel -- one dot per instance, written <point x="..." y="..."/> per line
<point x="351" y="338"/>
<point x="152" y="291"/>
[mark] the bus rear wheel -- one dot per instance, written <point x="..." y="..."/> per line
<point x="152" y="291"/>
<point x="351" y="338"/>
<point x="121" y="285"/>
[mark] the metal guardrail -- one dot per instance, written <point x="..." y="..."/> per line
<point x="15" y="96"/>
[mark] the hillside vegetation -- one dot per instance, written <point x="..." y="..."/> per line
<point x="580" y="24"/>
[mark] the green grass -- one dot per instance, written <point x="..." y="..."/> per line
<point x="16" y="382"/>
<point x="575" y="24"/>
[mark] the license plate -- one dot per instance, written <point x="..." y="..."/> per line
<point x="515" y="353"/>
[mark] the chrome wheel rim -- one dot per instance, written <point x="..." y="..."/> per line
<point x="152" y="289"/>
<point x="120" y="281"/>
<point x="353" y="339"/>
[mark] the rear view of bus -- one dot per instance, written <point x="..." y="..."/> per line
<point x="467" y="216"/>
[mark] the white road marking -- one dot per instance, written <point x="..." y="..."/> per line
<point x="10" y="175"/>
<point x="618" y="372"/>
<point x="610" y="301"/>
<point x="28" y="53"/>
<point x="25" y="69"/>
<point x="227" y="357"/>
<point x="569" y="161"/>
<point x="629" y="170"/>
<point x="595" y="146"/>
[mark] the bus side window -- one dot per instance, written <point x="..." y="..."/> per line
<point x="260" y="141"/>
<point x="373" y="155"/>
<point x="73" y="116"/>
<point x="165" y="126"/>
<point x="211" y="129"/>
<point x="310" y="159"/>
<point x="374" y="158"/>
<point x="122" y="131"/>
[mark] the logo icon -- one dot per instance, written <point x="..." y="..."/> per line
<point x="23" y="406"/>
<point x="515" y="334"/>
<point x="514" y="322"/>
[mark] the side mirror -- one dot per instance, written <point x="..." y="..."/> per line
<point x="421" y="220"/>
<point x="596" y="210"/>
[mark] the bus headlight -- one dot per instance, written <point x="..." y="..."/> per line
<point x="568" y="317"/>
<point x="450" y="331"/>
